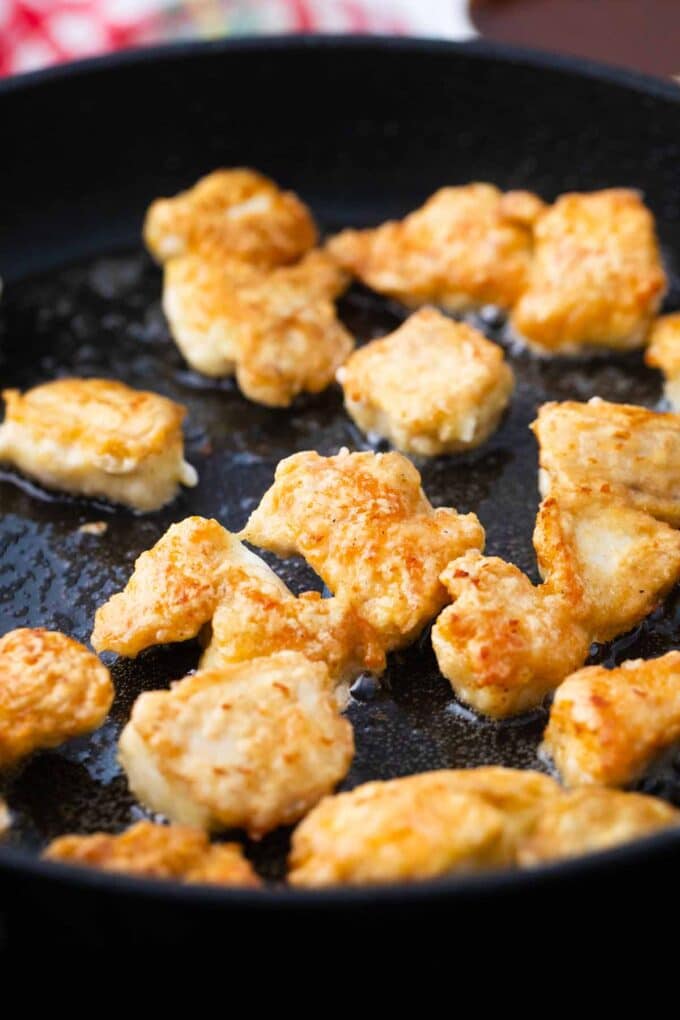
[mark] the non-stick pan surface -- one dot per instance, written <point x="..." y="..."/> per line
<point x="363" y="130"/>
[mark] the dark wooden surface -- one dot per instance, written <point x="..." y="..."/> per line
<point x="643" y="35"/>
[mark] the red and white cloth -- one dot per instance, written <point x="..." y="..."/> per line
<point x="35" y="33"/>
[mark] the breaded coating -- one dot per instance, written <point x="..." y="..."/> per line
<point x="199" y="574"/>
<point x="467" y="247"/>
<point x="433" y="386"/>
<point x="201" y="304"/>
<point x="97" y="437"/>
<point x="158" y="851"/>
<point x="51" y="689"/>
<point x="363" y="522"/>
<point x="418" y="827"/>
<point x="596" y="279"/>
<point x="607" y="725"/>
<point x="519" y="794"/>
<point x="174" y="590"/>
<point x="460" y="821"/>
<point x="625" y="560"/>
<point x="663" y="352"/>
<point x="5" y="818"/>
<point x="401" y="830"/>
<point x="235" y="213"/>
<point x="252" y="745"/>
<point x="634" y="451"/>
<point x="277" y="331"/>
<point x="592" y="819"/>
<point x="505" y="644"/>
<point x="252" y="620"/>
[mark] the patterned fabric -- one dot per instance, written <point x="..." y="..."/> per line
<point x="35" y="33"/>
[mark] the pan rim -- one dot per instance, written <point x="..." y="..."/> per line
<point x="477" y="48"/>
<point x="19" y="864"/>
<point x="470" y="887"/>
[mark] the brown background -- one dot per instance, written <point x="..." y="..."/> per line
<point x="640" y="34"/>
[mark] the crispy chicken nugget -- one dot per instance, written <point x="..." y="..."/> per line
<point x="584" y="821"/>
<point x="277" y="331"/>
<point x="634" y="451"/>
<point x="51" y="689"/>
<point x="433" y="386"/>
<point x="663" y="353"/>
<point x="235" y="213"/>
<point x="401" y="830"/>
<point x="606" y="725"/>
<point x="519" y="794"/>
<point x="625" y="560"/>
<point x="97" y="437"/>
<point x="596" y="278"/>
<point x="466" y="247"/>
<point x="158" y="851"/>
<point x="418" y="827"/>
<point x="251" y="745"/>
<point x="202" y="306"/>
<point x="252" y="621"/>
<point x="199" y="574"/>
<point x="363" y="522"/>
<point x="505" y="644"/>
<point x="174" y="590"/>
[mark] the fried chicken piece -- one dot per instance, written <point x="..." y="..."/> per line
<point x="626" y="561"/>
<point x="201" y="304"/>
<point x="236" y="213"/>
<point x="276" y="331"/>
<point x="251" y="745"/>
<point x="520" y="794"/>
<point x="51" y="689"/>
<point x="505" y="644"/>
<point x="466" y="247"/>
<point x="606" y="725"/>
<point x="175" y="588"/>
<point x="401" y="830"/>
<point x="97" y="437"/>
<point x="363" y="522"/>
<point x="433" y="386"/>
<point x="418" y="827"/>
<point x="591" y="819"/>
<point x="635" y="452"/>
<point x="251" y="621"/>
<point x="663" y="352"/>
<point x="5" y="818"/>
<point x="596" y="278"/>
<point x="158" y="851"/>
<point x="199" y="574"/>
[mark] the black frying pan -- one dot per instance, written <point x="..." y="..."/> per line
<point x="363" y="130"/>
